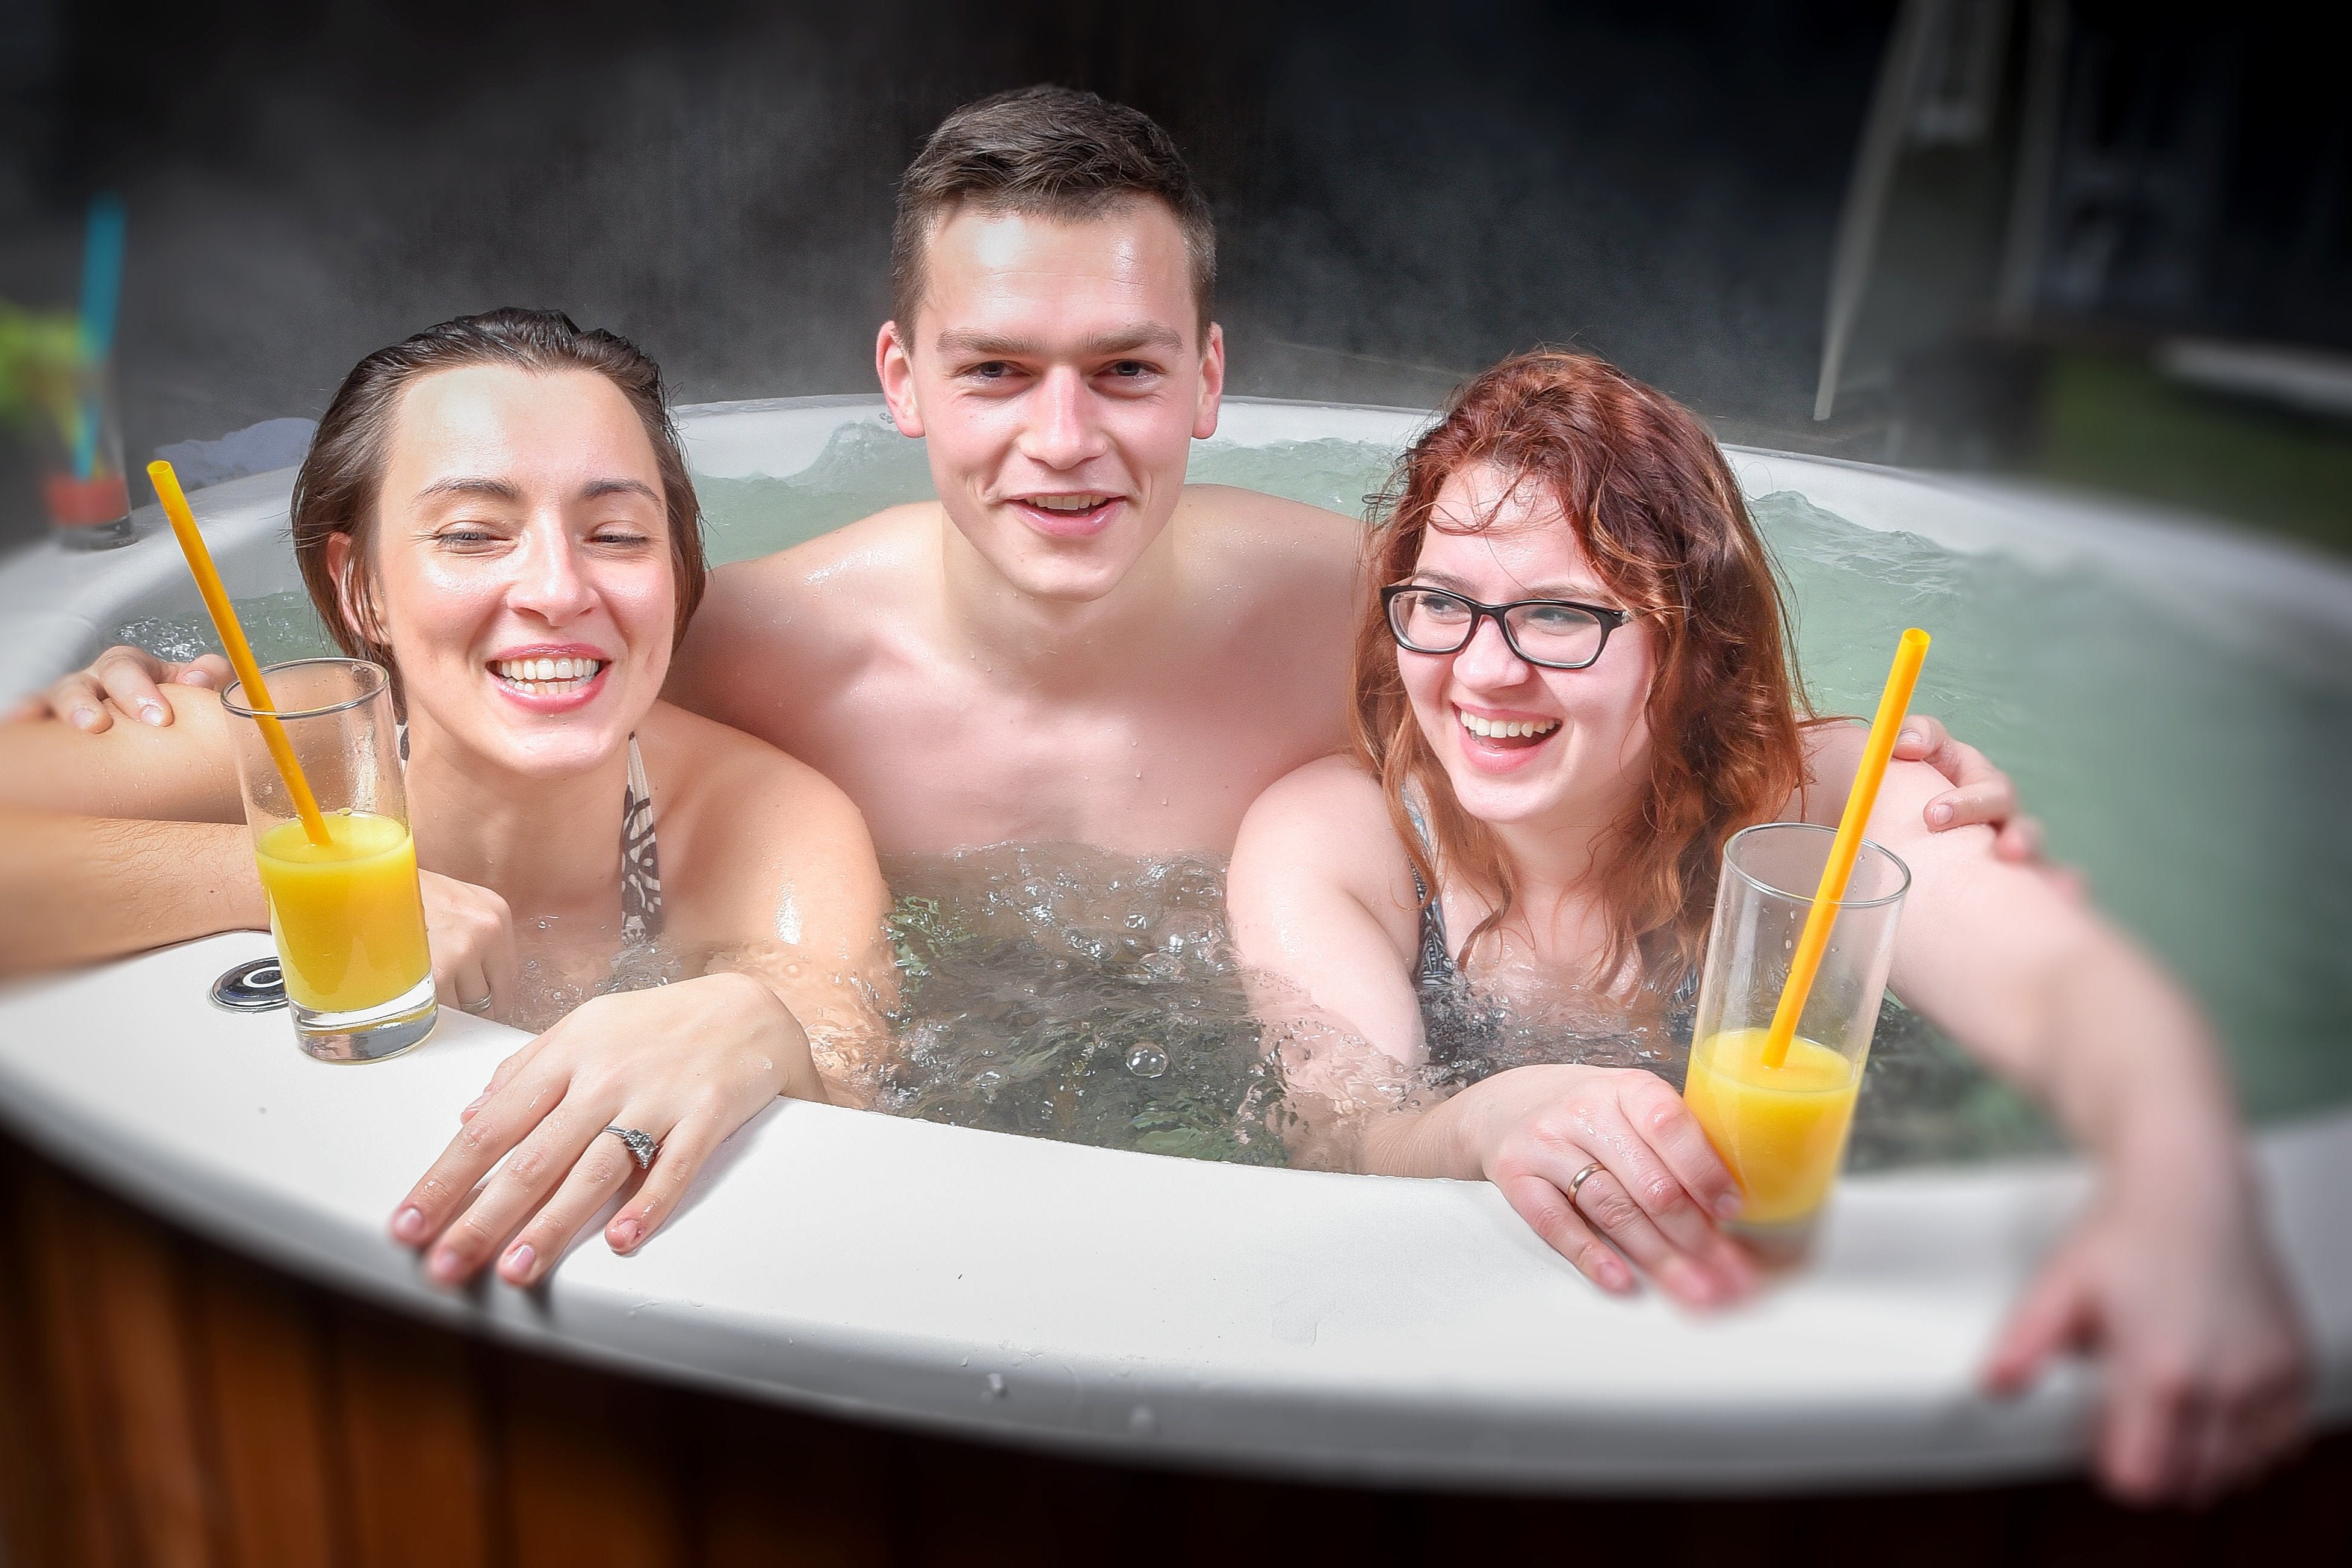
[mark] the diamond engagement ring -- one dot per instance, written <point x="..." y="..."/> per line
<point x="1576" y="1183"/>
<point x="641" y="1146"/>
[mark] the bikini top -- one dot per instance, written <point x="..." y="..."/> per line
<point x="1435" y="975"/>
<point x="640" y="900"/>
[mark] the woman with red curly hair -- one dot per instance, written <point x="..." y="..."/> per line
<point x="1571" y="687"/>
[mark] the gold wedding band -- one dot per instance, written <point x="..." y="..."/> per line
<point x="1576" y="1183"/>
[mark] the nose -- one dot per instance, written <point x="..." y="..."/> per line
<point x="1063" y="429"/>
<point x="1487" y="660"/>
<point x="548" y="582"/>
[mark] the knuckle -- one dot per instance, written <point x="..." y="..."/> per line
<point x="1609" y="1207"/>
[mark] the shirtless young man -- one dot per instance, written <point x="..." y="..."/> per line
<point x="1070" y="643"/>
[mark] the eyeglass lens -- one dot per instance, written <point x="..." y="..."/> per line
<point x="1429" y="622"/>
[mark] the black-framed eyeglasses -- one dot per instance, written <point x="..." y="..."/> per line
<point x="1555" y="633"/>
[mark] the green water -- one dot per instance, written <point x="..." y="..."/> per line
<point x="2189" y="761"/>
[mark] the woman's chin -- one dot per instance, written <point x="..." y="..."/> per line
<point x="545" y="750"/>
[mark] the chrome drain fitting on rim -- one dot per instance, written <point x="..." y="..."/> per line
<point x="255" y="986"/>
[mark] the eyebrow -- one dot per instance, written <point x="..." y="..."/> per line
<point x="1587" y="594"/>
<point x="598" y="488"/>
<point x="1120" y="340"/>
<point x="500" y="490"/>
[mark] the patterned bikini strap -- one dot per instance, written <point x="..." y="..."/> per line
<point x="640" y="900"/>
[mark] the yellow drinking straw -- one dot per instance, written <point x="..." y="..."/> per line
<point x="1909" y="654"/>
<point x="240" y="655"/>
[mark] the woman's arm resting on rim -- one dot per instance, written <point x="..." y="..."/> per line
<point x="721" y="1049"/>
<point x="799" y="903"/>
<point x="2169" y="1275"/>
<point x="74" y="889"/>
<point x="687" y="1064"/>
<point x="1321" y="898"/>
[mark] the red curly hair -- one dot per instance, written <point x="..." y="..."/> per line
<point x="1662" y="521"/>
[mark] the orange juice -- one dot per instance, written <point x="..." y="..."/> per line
<point x="1780" y="1129"/>
<point x="347" y="915"/>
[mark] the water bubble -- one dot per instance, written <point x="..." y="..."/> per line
<point x="995" y="1389"/>
<point x="1147" y="1061"/>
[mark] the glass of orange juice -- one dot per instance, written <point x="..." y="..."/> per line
<point x="348" y="918"/>
<point x="1782" y="1128"/>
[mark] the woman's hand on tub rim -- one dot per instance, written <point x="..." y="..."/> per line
<point x="1655" y="1199"/>
<point x="686" y="1064"/>
<point x="131" y="679"/>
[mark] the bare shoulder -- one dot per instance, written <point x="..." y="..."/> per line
<point x="1287" y="571"/>
<point x="1236" y="519"/>
<point x="816" y="608"/>
<point x="727" y="787"/>
<point x="1327" y="821"/>
<point x="808" y="579"/>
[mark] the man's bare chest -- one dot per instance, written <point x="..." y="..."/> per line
<point x="950" y="764"/>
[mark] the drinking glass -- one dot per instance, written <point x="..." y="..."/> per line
<point x="347" y="914"/>
<point x="1782" y="1128"/>
<point x="78" y="454"/>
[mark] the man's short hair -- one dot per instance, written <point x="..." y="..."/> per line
<point x="1045" y="151"/>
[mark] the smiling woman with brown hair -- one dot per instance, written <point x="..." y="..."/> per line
<point x="1571" y="688"/>
<point x="497" y="510"/>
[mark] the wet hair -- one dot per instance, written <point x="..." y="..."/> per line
<point x="1660" y="518"/>
<point x="338" y="486"/>
<point x="1045" y="151"/>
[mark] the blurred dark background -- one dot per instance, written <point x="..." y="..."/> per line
<point x="2101" y="243"/>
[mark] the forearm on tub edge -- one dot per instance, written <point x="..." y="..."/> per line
<point x="74" y="889"/>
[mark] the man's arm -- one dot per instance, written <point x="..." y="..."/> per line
<point x="74" y="889"/>
<point x="185" y="772"/>
<point x="2169" y="1275"/>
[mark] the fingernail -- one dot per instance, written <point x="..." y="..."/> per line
<point x="409" y="1224"/>
<point x="83" y="717"/>
<point x="468" y="1113"/>
<point x="152" y="713"/>
<point x="519" y="1261"/>
<point x="1727" y="1206"/>
<point x="195" y="678"/>
<point x="623" y="1234"/>
<point x="446" y="1265"/>
<point x="1914" y="737"/>
<point x="1940" y="815"/>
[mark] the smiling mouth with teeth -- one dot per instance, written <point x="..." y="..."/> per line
<point x="1507" y="729"/>
<point x="546" y="677"/>
<point x="1072" y="503"/>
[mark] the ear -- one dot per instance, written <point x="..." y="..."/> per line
<point x="351" y="597"/>
<point x="1212" y="384"/>
<point x="894" y="363"/>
